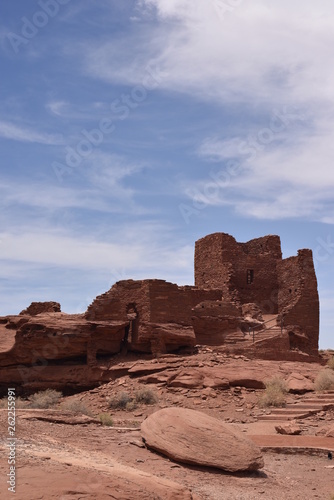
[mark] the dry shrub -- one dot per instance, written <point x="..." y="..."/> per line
<point x="275" y="393"/>
<point x="330" y="363"/>
<point x="131" y="405"/>
<point x="19" y="403"/>
<point x="77" y="406"/>
<point x="124" y="401"/>
<point x="44" y="399"/>
<point x="120" y="401"/>
<point x="324" y="381"/>
<point x="146" y="396"/>
<point x="106" y="419"/>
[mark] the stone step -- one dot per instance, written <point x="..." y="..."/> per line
<point x="319" y="406"/>
<point x="311" y="400"/>
<point x="276" y="418"/>
<point x="301" y="444"/>
<point x="287" y="411"/>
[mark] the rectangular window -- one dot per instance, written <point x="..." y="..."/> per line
<point x="250" y="276"/>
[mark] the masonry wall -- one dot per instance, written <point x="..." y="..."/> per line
<point x="155" y="302"/>
<point x="246" y="272"/>
<point x="173" y="304"/>
<point x="211" y="269"/>
<point x="299" y="300"/>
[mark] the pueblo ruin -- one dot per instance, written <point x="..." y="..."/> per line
<point x="246" y="299"/>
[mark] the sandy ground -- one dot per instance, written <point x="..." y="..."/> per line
<point x="88" y="461"/>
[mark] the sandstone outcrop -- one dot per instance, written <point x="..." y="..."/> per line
<point x="191" y="437"/>
<point x="297" y="383"/>
<point x="41" y="307"/>
<point x="218" y="377"/>
<point x="50" y="338"/>
<point x="199" y="378"/>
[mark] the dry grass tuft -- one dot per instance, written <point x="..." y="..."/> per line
<point x="106" y="419"/>
<point x="330" y="363"/>
<point x="44" y="399"/>
<point x="77" y="406"/>
<point x="146" y="396"/>
<point x="120" y="401"/>
<point x="324" y="381"/>
<point x="275" y="393"/>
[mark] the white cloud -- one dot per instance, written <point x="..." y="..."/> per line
<point x="135" y="249"/>
<point x="268" y="56"/>
<point x="260" y="50"/>
<point x="22" y="134"/>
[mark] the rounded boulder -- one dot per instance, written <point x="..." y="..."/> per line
<point x="194" y="438"/>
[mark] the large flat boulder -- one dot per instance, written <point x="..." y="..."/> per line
<point x="195" y="438"/>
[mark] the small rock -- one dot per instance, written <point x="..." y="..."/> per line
<point x="290" y="428"/>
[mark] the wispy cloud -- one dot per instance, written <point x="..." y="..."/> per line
<point x="18" y="133"/>
<point x="96" y="185"/>
<point x="130" y="251"/>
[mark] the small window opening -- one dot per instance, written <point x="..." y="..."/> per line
<point x="250" y="276"/>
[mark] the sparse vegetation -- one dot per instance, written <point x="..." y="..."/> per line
<point x="324" y="381"/>
<point x="19" y="403"/>
<point x="44" y="399"/>
<point x="330" y="363"/>
<point x="131" y="405"/>
<point x="124" y="401"/>
<point x="146" y="396"/>
<point x="275" y="393"/>
<point x="120" y="401"/>
<point x="106" y="419"/>
<point x="77" y="407"/>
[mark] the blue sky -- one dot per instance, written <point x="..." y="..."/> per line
<point x="131" y="128"/>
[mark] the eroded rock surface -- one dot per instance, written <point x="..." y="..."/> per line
<point x="194" y="438"/>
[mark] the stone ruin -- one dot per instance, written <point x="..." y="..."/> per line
<point x="246" y="300"/>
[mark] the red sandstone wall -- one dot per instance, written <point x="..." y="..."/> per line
<point x="41" y="307"/>
<point x="112" y="305"/>
<point x="300" y="306"/>
<point x="173" y="304"/>
<point x="213" y="268"/>
<point x="156" y="302"/>
<point x="222" y="262"/>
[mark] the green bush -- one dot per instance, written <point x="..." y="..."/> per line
<point x="146" y="396"/>
<point x="324" y="381"/>
<point x="106" y="419"/>
<point x="275" y="393"/>
<point x="77" y="406"/>
<point x="44" y="399"/>
<point x="120" y="401"/>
